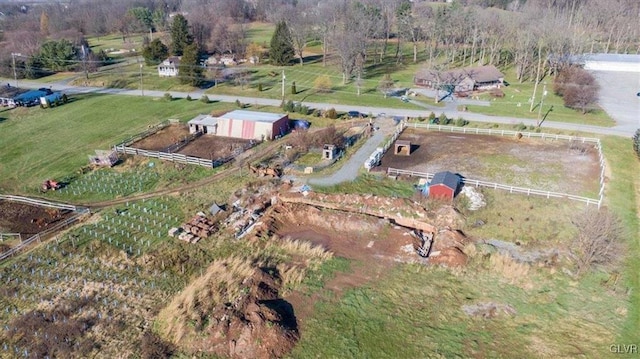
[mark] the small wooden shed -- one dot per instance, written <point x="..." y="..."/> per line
<point x="444" y="185"/>
<point x="402" y="148"/>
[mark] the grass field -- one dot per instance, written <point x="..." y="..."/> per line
<point x="37" y="144"/>
<point x="412" y="311"/>
<point x="417" y="312"/>
<point x="516" y="103"/>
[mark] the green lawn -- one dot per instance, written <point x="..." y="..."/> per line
<point x="36" y="143"/>
<point x="417" y="312"/>
<point x="114" y="42"/>
<point x="128" y="77"/>
<point x="516" y="103"/>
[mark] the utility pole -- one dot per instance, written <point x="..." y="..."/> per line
<point x="535" y="86"/>
<point x="544" y="94"/>
<point x="283" y="77"/>
<point x="15" y="74"/>
<point x="84" y="62"/>
<point x="141" y="84"/>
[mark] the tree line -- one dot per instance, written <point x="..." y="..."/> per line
<point x="354" y="34"/>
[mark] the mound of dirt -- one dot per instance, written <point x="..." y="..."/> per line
<point x="234" y="311"/>
<point x="449" y="257"/>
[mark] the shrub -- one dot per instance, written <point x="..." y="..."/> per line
<point x="289" y="106"/>
<point x="421" y="119"/>
<point x="204" y="99"/>
<point x="322" y="84"/>
<point x="317" y="113"/>
<point x="259" y="86"/>
<point x="297" y="107"/>
<point x="293" y="88"/>
<point x="461" y="122"/>
<point x="168" y="97"/>
<point x="432" y="117"/>
<point x="304" y="110"/>
<point x="520" y="127"/>
<point x="444" y="120"/>
<point x="331" y="113"/>
<point x="577" y="87"/>
<point x="188" y="98"/>
<point x="238" y="103"/>
<point x="636" y="142"/>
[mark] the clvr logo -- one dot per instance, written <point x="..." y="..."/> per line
<point x="624" y="348"/>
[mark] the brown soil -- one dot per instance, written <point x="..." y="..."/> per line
<point x="534" y="163"/>
<point x="372" y="245"/>
<point x="259" y="325"/>
<point x="212" y="147"/>
<point x="163" y="138"/>
<point x="17" y="217"/>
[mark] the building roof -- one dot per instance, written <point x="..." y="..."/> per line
<point x="253" y="116"/>
<point x="205" y="120"/>
<point x="488" y="73"/>
<point x="171" y="61"/>
<point x="31" y="95"/>
<point x="446" y="178"/>
<point x="403" y="143"/>
<point x="633" y="58"/>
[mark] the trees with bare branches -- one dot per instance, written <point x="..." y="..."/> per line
<point x="598" y="241"/>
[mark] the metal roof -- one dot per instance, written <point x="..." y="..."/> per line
<point x="446" y="178"/>
<point x="253" y="116"/>
<point x="206" y="120"/>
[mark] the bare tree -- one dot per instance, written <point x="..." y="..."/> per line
<point x="599" y="239"/>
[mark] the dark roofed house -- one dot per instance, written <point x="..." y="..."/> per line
<point x="444" y="185"/>
<point x="464" y="80"/>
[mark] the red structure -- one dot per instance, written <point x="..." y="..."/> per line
<point x="444" y="185"/>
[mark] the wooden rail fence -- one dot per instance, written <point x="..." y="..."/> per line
<point x="42" y="203"/>
<point x="541" y="135"/>
<point x="40" y="236"/>
<point x="511" y="189"/>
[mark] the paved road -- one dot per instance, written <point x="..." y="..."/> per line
<point x="622" y="129"/>
<point x="349" y="169"/>
<point x="618" y="97"/>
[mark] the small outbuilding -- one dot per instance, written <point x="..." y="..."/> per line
<point x="206" y="124"/>
<point x="444" y="185"/>
<point x="329" y="152"/>
<point x="402" y="148"/>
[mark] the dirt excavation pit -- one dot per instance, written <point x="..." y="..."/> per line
<point x="346" y="235"/>
<point x="559" y="166"/>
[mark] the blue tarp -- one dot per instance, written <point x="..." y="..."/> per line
<point x="299" y="124"/>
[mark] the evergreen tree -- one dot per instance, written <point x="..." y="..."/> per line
<point x="180" y="36"/>
<point x="636" y="142"/>
<point x="189" y="70"/>
<point x="281" y="51"/>
<point x="155" y="52"/>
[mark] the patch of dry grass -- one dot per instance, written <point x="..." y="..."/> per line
<point x="221" y="283"/>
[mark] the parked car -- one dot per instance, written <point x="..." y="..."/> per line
<point x="355" y="114"/>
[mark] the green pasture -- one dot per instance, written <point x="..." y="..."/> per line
<point x="516" y="103"/>
<point x="133" y="78"/>
<point x="417" y="312"/>
<point x="115" y="42"/>
<point x="54" y="143"/>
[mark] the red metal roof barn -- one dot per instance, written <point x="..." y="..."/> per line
<point x="444" y="185"/>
